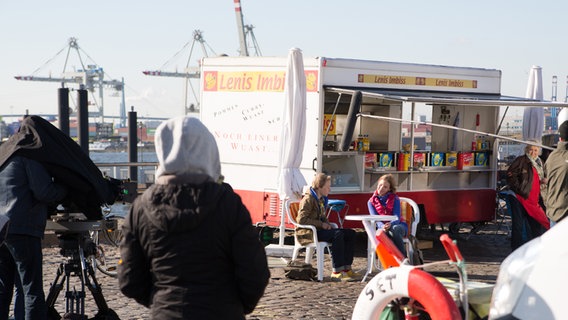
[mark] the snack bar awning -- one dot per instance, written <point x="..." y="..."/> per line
<point x="447" y="98"/>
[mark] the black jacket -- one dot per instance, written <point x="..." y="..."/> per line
<point x="520" y="176"/>
<point x="27" y="189"/>
<point x="66" y="162"/>
<point x="190" y="251"/>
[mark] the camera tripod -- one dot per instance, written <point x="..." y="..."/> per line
<point x="77" y="247"/>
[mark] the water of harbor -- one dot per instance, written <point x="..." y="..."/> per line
<point x="145" y="173"/>
<point x="121" y="157"/>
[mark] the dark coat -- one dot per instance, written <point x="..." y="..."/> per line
<point x="556" y="168"/>
<point x="190" y="251"/>
<point x="520" y="175"/>
<point x="65" y="161"/>
<point x="310" y="213"/>
<point x="27" y="189"/>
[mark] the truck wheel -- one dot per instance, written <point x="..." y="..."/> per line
<point x="454" y="227"/>
<point x="265" y="235"/>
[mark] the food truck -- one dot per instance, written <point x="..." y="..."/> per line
<point x="361" y="124"/>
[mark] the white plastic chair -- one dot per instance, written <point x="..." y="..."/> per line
<point x="292" y="208"/>
<point x="412" y="228"/>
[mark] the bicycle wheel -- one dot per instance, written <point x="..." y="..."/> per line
<point x="107" y="259"/>
<point x="113" y="233"/>
<point x="108" y="253"/>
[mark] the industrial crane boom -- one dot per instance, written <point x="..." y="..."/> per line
<point x="47" y="79"/>
<point x="241" y="29"/>
<point x="191" y="72"/>
<point x="75" y="77"/>
<point x="90" y="78"/>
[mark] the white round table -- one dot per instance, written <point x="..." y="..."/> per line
<point x="369" y="222"/>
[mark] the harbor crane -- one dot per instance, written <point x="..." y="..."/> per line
<point x="246" y="35"/>
<point x="246" y="40"/>
<point x="90" y="77"/>
<point x="189" y="72"/>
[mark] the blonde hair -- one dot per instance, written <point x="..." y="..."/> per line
<point x="320" y="180"/>
<point x="390" y="179"/>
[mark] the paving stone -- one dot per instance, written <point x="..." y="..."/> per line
<point x="295" y="299"/>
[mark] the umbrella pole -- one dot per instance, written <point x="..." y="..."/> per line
<point x="282" y="222"/>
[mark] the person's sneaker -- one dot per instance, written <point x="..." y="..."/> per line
<point x="340" y="276"/>
<point x="352" y="274"/>
<point x="336" y="276"/>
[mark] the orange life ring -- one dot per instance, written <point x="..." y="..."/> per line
<point x="405" y="281"/>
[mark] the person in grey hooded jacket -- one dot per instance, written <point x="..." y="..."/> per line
<point x="190" y="250"/>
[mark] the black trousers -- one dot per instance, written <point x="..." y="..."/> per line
<point x="524" y="227"/>
<point x="342" y="245"/>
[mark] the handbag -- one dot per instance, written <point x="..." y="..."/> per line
<point x="297" y="270"/>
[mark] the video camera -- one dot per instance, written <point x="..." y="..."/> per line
<point x="89" y="200"/>
<point x="128" y="191"/>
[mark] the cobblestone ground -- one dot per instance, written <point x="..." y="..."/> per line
<point x="483" y="252"/>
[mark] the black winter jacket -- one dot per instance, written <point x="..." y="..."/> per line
<point x="190" y="252"/>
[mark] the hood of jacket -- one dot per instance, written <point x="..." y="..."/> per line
<point x="184" y="145"/>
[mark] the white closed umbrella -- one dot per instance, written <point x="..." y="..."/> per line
<point x="562" y="116"/>
<point x="533" y="117"/>
<point x="290" y="179"/>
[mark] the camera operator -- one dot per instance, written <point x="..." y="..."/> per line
<point x="27" y="189"/>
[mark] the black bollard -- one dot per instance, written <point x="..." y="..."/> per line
<point x="63" y="113"/>
<point x="83" y="117"/>
<point x="132" y="143"/>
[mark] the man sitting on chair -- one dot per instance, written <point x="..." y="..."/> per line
<point x="312" y="212"/>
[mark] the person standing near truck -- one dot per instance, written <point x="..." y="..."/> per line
<point x="525" y="177"/>
<point x="556" y="169"/>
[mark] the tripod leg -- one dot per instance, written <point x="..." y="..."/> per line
<point x="79" y="249"/>
<point x="95" y="288"/>
<point x="88" y="276"/>
<point x="73" y="299"/>
<point x="56" y="286"/>
<point x="91" y="281"/>
<point x="54" y="291"/>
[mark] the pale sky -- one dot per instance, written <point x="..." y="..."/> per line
<point x="126" y="37"/>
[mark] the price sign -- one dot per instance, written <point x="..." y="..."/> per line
<point x="329" y="122"/>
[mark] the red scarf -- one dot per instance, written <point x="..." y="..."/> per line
<point x="384" y="208"/>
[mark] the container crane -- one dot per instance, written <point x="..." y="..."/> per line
<point x="246" y="34"/>
<point x="189" y="72"/>
<point x="89" y="77"/>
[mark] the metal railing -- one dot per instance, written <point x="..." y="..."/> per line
<point x="121" y="170"/>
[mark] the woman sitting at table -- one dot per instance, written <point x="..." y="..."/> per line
<point x="312" y="212"/>
<point x="385" y="201"/>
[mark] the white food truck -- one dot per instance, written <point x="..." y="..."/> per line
<point x="360" y="126"/>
